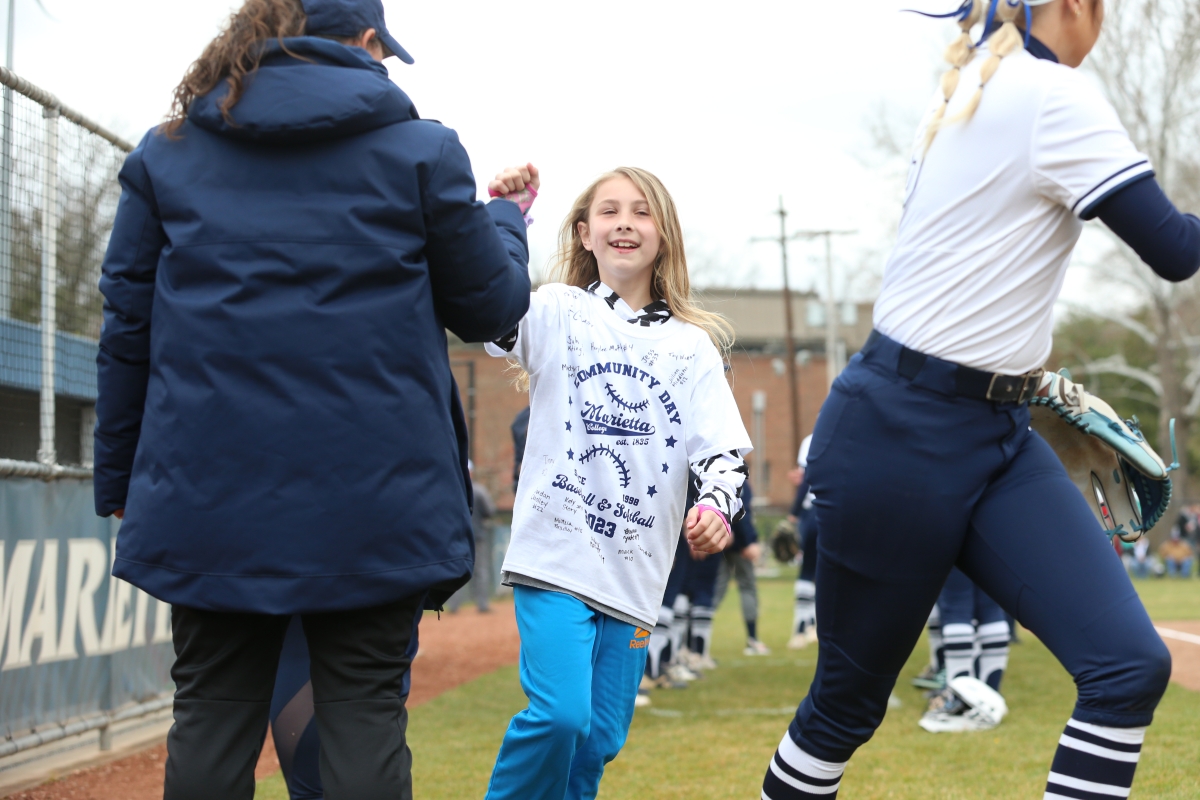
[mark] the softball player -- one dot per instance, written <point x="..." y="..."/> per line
<point x="974" y="633"/>
<point x="923" y="459"/>
<point x="804" y="617"/>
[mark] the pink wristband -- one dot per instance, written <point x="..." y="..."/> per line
<point x="523" y="198"/>
<point x="701" y="508"/>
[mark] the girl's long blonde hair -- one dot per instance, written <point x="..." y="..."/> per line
<point x="575" y="265"/>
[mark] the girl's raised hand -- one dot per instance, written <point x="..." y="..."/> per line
<point x="706" y="532"/>
<point x="514" y="179"/>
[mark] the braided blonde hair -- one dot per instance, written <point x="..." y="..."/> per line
<point x="1002" y="43"/>
<point x="958" y="55"/>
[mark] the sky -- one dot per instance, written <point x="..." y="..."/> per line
<point x="732" y="105"/>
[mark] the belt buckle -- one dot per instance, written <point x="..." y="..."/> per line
<point x="1011" y="392"/>
<point x="1029" y="387"/>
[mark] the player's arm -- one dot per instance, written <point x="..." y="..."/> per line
<point x="478" y="255"/>
<point x="1146" y="220"/>
<point x="123" y="362"/>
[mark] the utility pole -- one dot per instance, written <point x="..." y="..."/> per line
<point x="831" y="316"/>
<point x="793" y="386"/>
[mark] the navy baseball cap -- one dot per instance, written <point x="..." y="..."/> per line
<point x="345" y="18"/>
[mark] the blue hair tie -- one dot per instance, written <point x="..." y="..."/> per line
<point x="987" y="22"/>
<point x="961" y="13"/>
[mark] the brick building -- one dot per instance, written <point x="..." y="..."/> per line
<point x="758" y="368"/>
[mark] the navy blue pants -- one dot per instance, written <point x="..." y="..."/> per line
<point x="293" y="721"/>
<point x="808" y="544"/>
<point x="695" y="578"/>
<point x="961" y="601"/>
<point x="911" y="480"/>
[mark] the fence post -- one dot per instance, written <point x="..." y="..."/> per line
<point x="6" y="167"/>
<point x="46" y="451"/>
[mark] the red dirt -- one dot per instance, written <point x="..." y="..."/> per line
<point x="454" y="650"/>
<point x="1185" y="656"/>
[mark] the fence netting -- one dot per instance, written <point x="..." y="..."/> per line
<point x="50" y="164"/>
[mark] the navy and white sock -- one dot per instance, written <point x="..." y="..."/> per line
<point x="805" y="615"/>
<point x="702" y="622"/>
<point x="660" y="643"/>
<point x="1094" y="762"/>
<point x="992" y="644"/>
<point x="795" y="775"/>
<point x="937" y="656"/>
<point x="958" y="644"/>
<point x="679" y="625"/>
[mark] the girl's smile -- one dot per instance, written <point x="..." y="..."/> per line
<point x="620" y="231"/>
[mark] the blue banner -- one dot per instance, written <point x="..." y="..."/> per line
<point x="74" y="640"/>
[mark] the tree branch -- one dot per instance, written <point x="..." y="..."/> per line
<point x="1117" y="365"/>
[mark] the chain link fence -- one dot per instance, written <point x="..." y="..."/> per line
<point x="58" y="198"/>
<point x="81" y="651"/>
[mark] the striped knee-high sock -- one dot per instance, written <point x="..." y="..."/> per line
<point x="937" y="656"/>
<point x="660" y="643"/>
<point x="702" y="622"/>
<point x="795" y="775"/>
<point x="958" y="643"/>
<point x="1094" y="762"/>
<point x="992" y="644"/>
<point x="806" y="606"/>
<point x="679" y="625"/>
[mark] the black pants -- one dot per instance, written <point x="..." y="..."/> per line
<point x="224" y="675"/>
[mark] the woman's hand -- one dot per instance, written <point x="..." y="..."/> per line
<point x="706" y="532"/>
<point x="514" y="179"/>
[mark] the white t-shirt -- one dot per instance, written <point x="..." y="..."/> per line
<point x="618" y="412"/>
<point x="994" y="210"/>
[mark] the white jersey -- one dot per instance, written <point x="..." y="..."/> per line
<point x="802" y="462"/>
<point x="618" y="412"/>
<point x="993" y="213"/>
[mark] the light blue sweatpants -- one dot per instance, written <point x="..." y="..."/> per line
<point x="580" y="670"/>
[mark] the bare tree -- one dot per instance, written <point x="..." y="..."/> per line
<point x="1148" y="62"/>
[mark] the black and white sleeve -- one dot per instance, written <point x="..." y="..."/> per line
<point x="720" y="479"/>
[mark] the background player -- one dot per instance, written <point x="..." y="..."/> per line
<point x="974" y="643"/>
<point x="738" y="562"/>
<point x="804" y="516"/>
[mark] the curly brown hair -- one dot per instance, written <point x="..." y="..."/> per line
<point x="234" y="54"/>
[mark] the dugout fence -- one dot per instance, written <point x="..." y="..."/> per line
<point x="81" y="653"/>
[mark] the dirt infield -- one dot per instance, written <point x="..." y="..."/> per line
<point x="1185" y="651"/>
<point x="455" y="649"/>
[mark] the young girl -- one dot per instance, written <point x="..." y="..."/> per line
<point x="627" y="391"/>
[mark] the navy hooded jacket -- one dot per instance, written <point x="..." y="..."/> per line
<point x="276" y="414"/>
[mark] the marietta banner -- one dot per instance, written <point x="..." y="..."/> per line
<point x="73" y="639"/>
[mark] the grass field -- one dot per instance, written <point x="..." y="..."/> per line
<point x="714" y="739"/>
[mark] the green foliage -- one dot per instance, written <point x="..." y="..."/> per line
<point x="714" y="739"/>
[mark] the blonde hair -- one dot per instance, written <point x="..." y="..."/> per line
<point x="575" y="265"/>
<point x="1002" y="43"/>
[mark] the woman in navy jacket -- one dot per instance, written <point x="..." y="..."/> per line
<point x="277" y="419"/>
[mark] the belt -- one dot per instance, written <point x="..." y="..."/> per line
<point x="974" y="383"/>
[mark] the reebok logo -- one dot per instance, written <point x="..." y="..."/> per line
<point x="641" y="638"/>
